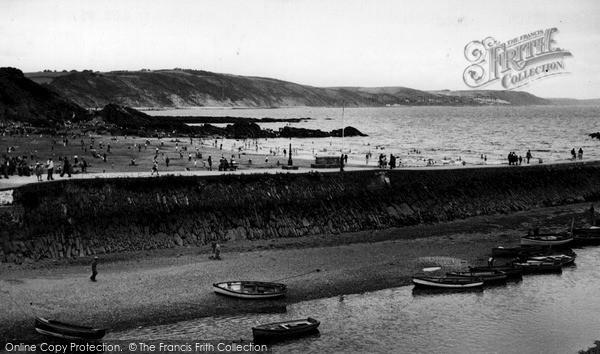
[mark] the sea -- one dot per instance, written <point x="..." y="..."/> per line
<point x="426" y="135"/>
<point x="555" y="313"/>
<point x="549" y="314"/>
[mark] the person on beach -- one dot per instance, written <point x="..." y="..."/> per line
<point x="573" y="154"/>
<point x="218" y="252"/>
<point x="38" y="171"/>
<point x="50" y="168"/>
<point x="580" y="154"/>
<point x="94" y="269"/>
<point x="528" y="155"/>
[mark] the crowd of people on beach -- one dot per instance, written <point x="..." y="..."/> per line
<point x="514" y="159"/>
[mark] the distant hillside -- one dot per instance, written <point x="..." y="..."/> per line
<point x="23" y="100"/>
<point x="189" y="88"/>
<point x="515" y="98"/>
<point x="574" y="102"/>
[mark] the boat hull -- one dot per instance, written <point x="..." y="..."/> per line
<point x="488" y="277"/>
<point x="68" y="331"/>
<point x="447" y="282"/>
<point x="587" y="236"/>
<point x="540" y="267"/>
<point x="511" y="252"/>
<point x="250" y="289"/>
<point x="510" y="271"/>
<point x="286" y="329"/>
<point x="545" y="240"/>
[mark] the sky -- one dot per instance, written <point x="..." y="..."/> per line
<point x="418" y="44"/>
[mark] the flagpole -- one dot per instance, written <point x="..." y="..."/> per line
<point x="343" y="104"/>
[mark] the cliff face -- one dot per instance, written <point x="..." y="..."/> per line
<point x="83" y="217"/>
<point x="26" y="101"/>
<point x="189" y="88"/>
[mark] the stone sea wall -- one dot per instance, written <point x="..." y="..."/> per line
<point x="75" y="218"/>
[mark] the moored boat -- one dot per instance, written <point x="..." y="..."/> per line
<point x="285" y="329"/>
<point x="562" y="258"/>
<point x="546" y="240"/>
<point x="511" y="252"/>
<point x="509" y="269"/>
<point x="488" y="277"/>
<point x="589" y="235"/>
<point x="68" y="331"/>
<point x="531" y="267"/>
<point x="447" y="282"/>
<point x="250" y="289"/>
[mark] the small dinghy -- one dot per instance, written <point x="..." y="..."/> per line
<point x="589" y="235"/>
<point x="546" y="240"/>
<point x="285" y="329"/>
<point x="447" y="282"/>
<point x="510" y="252"/>
<point x="488" y="277"/>
<point x="508" y="269"/>
<point x="538" y="267"/>
<point x="68" y="331"/>
<point x="250" y="289"/>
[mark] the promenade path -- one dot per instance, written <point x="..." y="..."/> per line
<point x="16" y="181"/>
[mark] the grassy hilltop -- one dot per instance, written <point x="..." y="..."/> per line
<point x="192" y="88"/>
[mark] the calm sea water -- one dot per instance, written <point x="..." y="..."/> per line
<point x="443" y="134"/>
<point x="557" y="313"/>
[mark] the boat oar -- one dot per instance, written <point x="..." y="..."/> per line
<point x="294" y="276"/>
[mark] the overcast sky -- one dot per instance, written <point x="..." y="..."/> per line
<point x="418" y="44"/>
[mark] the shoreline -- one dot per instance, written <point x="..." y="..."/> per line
<point x="165" y="286"/>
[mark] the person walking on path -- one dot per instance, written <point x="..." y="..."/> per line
<point x="94" y="269"/>
<point x="50" y="167"/>
<point x="154" y="168"/>
<point x="66" y="167"/>
<point x="580" y="154"/>
<point x="528" y="155"/>
<point x="39" y="171"/>
<point x="209" y="163"/>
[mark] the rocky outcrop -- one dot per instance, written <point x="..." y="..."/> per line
<point x="23" y="100"/>
<point x="87" y="217"/>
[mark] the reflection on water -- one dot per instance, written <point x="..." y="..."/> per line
<point x="553" y="313"/>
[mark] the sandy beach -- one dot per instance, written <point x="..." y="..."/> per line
<point x="164" y="286"/>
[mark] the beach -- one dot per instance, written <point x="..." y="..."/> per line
<point x="163" y="286"/>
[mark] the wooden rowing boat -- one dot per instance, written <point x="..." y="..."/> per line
<point x="589" y="235"/>
<point x="286" y="329"/>
<point x="68" y="331"/>
<point x="508" y="269"/>
<point x="250" y="289"/>
<point x="447" y="282"/>
<point x="488" y="276"/>
<point x="546" y="240"/>
<point x="511" y="252"/>
<point x="532" y="266"/>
